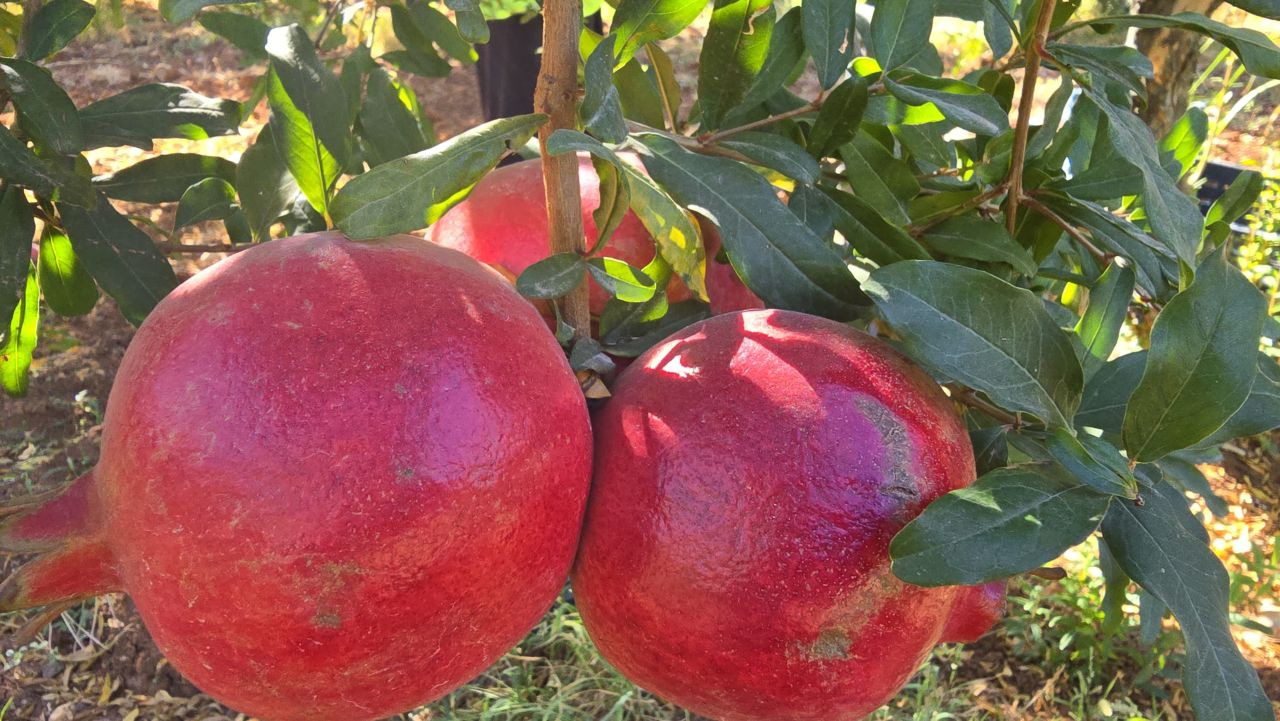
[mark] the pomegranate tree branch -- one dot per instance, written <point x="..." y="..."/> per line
<point x="1098" y="254"/>
<point x="969" y="398"/>
<point x="557" y="97"/>
<point x="1033" y="50"/>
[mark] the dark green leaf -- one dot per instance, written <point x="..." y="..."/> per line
<point x="628" y="284"/>
<point x="1113" y="178"/>
<point x="589" y="355"/>
<point x="1236" y="200"/>
<point x="48" y="115"/>
<point x="20" y="337"/>
<point x="410" y="193"/>
<point x="55" y="24"/>
<point x="435" y="27"/>
<point x="776" y="255"/>
<point x="828" y="35"/>
<point x="1010" y="521"/>
<point x="1202" y="361"/>
<point x="972" y="327"/>
<point x="17" y="230"/>
<point x="838" y="119"/>
<point x="1259" y="55"/>
<point x="1183" y="473"/>
<point x="552" y="277"/>
<point x="1154" y="545"/>
<point x="120" y="257"/>
<point x="1124" y="66"/>
<point x="246" y="32"/>
<point x="387" y="126"/>
<point x="676" y="234"/>
<point x="869" y="233"/>
<point x="428" y="65"/>
<point x="164" y="178"/>
<point x="1266" y="8"/>
<point x="1116" y="589"/>
<point x="20" y="166"/>
<point x="637" y="22"/>
<point x="68" y="288"/>
<point x="601" y="108"/>
<point x="1116" y="235"/>
<point x="471" y="22"/>
<point x="1093" y="462"/>
<point x="965" y="105"/>
<point x="1107" y="392"/>
<point x="158" y="110"/>
<point x="1261" y="410"/>
<point x="786" y="51"/>
<point x="882" y="180"/>
<point x="301" y="83"/>
<point x="968" y="236"/>
<point x="180" y="11"/>
<point x="812" y="206"/>
<point x="990" y="448"/>
<point x="900" y="30"/>
<point x="209" y="199"/>
<point x="776" y="152"/>
<point x="615" y="185"/>
<point x="264" y="184"/>
<point x="664" y="77"/>
<point x="732" y="55"/>
<point x="1099" y="327"/>
<point x="998" y="26"/>
<point x="632" y="330"/>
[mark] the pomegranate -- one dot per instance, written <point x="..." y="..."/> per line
<point x="750" y="472"/>
<point x="338" y="479"/>
<point x="503" y="222"/>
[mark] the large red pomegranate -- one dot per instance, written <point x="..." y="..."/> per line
<point x="750" y="472"/>
<point x="338" y="479"/>
<point x="503" y="223"/>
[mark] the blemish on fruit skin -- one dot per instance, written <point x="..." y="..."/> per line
<point x="326" y="620"/>
<point x="832" y="645"/>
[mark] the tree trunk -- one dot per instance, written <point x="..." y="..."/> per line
<point x="1173" y="55"/>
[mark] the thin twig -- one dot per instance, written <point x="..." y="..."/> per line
<point x="334" y="8"/>
<point x="976" y="201"/>
<point x="969" y="398"/>
<point x="175" y="248"/>
<point x="1033" y="51"/>
<point x="1098" y="254"/>
<point x="556" y="95"/>
<point x="762" y="122"/>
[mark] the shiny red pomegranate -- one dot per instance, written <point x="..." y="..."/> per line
<point x="338" y="479"/>
<point x="750" y="472"/>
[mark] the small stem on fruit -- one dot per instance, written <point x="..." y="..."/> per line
<point x="556" y="95"/>
<point x="1033" y="51"/>
<point x="1100" y="255"/>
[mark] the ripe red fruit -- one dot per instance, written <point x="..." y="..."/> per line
<point x="503" y="223"/>
<point x="750" y="472"/>
<point x="338" y="479"/>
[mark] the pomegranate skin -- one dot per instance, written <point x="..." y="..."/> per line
<point x="503" y="223"/>
<point x="340" y="479"/>
<point x="750" y="472"/>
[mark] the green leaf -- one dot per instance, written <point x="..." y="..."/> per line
<point x="209" y="199"/>
<point x="48" y="115"/>
<point x="1261" y="410"/>
<point x="435" y="27"/>
<point x="68" y="288"/>
<point x="20" y="340"/>
<point x="1113" y="178"/>
<point x="972" y="327"/>
<point x="387" y="127"/>
<point x="1186" y="139"/>
<point x="775" y="254"/>
<point x="158" y="110"/>
<point x="676" y="234"/>
<point x="882" y="180"/>
<point x="900" y="30"/>
<point x="1266" y="8"/>
<point x="428" y="65"/>
<point x="245" y="32"/>
<point x="1010" y="521"/>
<point x="968" y="236"/>
<point x="299" y="81"/>
<point x="55" y="24"/>
<point x="638" y="89"/>
<point x="637" y="22"/>
<point x="314" y="168"/>
<point x="828" y="35"/>
<point x="812" y="206"/>
<point x="120" y="257"/>
<point x="1121" y="65"/>
<point x="990" y="448"/>
<point x="20" y="166"/>
<point x="1116" y="589"/>
<point x="1099" y="327"/>
<point x="838" y="119"/>
<point x="1183" y="474"/>
<point x="552" y="277"/>
<point x="786" y="51"/>
<point x="164" y="178"/>
<point x="967" y="106"/>
<point x="17" y="229"/>
<point x="1201" y="363"/>
<point x="471" y="22"/>
<point x="601" y="108"/>
<point x="632" y="329"/>
<point x="628" y="284"/>
<point x="1093" y="462"/>
<point x="869" y="233"/>
<point x="1107" y="392"/>
<point x="410" y="193"/>
<point x="1174" y="216"/>
<point x="615" y="187"/>
<point x="1259" y="55"/>
<point x="264" y="184"/>
<point x="1153" y="544"/>
<point x="1236" y="200"/>
<point x="180" y="11"/>
<point x="777" y="152"/>
<point x="998" y="26"/>
<point x="1116" y="235"/>
<point x="732" y="55"/>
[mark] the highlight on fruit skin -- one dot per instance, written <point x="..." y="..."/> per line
<point x="338" y="479"/>
<point x="751" y="470"/>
